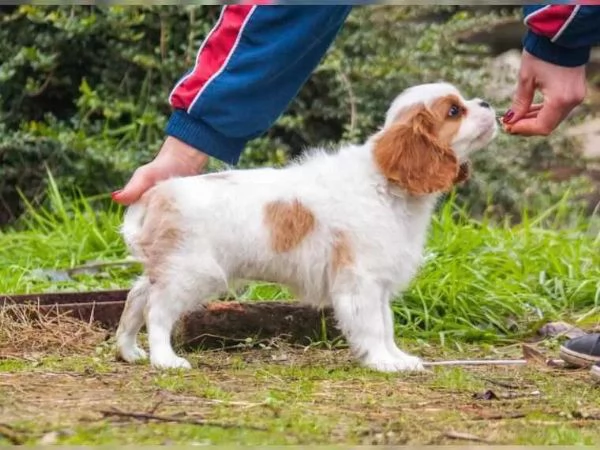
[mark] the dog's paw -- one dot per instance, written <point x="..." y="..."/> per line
<point x="132" y="354"/>
<point x="170" y="362"/>
<point x="394" y="364"/>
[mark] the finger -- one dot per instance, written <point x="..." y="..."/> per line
<point x="542" y="124"/>
<point x="139" y="183"/>
<point x="522" y="100"/>
<point x="531" y="115"/>
<point x="533" y="111"/>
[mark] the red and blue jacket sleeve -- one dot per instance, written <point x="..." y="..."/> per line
<point x="248" y="69"/>
<point x="562" y="34"/>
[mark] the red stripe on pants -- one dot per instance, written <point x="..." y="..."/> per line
<point x="213" y="54"/>
<point x="548" y="21"/>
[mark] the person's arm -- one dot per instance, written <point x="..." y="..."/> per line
<point x="251" y="65"/>
<point x="562" y="34"/>
<point x="556" y="49"/>
<point x="248" y="69"/>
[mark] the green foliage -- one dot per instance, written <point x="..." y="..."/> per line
<point x="83" y="89"/>
<point x="482" y="281"/>
<point x="479" y="282"/>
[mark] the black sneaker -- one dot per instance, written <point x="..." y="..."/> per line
<point x="582" y="351"/>
<point x="595" y="372"/>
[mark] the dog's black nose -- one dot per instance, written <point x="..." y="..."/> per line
<point x="484" y="104"/>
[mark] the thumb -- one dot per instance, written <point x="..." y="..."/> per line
<point x="522" y="100"/>
<point x="139" y="183"/>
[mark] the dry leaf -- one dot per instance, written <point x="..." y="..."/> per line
<point x="533" y="355"/>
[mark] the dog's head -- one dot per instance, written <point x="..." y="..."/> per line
<point x="429" y="132"/>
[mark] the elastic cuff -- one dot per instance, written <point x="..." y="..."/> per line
<point x="544" y="49"/>
<point x="204" y="138"/>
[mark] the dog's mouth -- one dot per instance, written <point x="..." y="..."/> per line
<point x="487" y="133"/>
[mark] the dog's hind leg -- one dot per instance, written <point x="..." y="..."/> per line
<point x="132" y="320"/>
<point x="169" y="299"/>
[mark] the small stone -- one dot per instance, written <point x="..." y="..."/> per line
<point x="554" y="329"/>
<point x="49" y="438"/>
<point x="279" y="358"/>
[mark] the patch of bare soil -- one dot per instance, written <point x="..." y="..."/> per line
<point x="59" y="375"/>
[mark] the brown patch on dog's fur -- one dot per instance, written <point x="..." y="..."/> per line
<point x="342" y="251"/>
<point x="289" y="223"/>
<point x="160" y="233"/>
<point x="415" y="152"/>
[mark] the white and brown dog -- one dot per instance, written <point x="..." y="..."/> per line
<point x="345" y="229"/>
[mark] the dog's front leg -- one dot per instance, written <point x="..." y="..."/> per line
<point x="388" y="318"/>
<point x="363" y="314"/>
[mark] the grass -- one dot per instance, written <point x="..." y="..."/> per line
<point x="280" y="394"/>
<point x="26" y="331"/>
<point x="482" y="282"/>
<point x="482" y="278"/>
<point x="483" y="285"/>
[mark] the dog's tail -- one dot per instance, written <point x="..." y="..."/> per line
<point x="131" y="228"/>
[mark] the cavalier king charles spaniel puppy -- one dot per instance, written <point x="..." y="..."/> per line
<point x="344" y="229"/>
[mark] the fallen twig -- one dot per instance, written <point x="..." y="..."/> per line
<point x="464" y="436"/>
<point x="351" y="98"/>
<point x="585" y="415"/>
<point x="500" y="416"/>
<point x="97" y="265"/>
<point x="476" y="362"/>
<point x="11" y="435"/>
<point x="146" y="417"/>
<point x="156" y="406"/>
<point x="503" y="384"/>
<point x="491" y="395"/>
<point x="488" y="362"/>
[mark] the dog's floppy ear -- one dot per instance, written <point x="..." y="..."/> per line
<point x="409" y="154"/>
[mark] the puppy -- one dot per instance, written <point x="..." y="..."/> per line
<point x="345" y="229"/>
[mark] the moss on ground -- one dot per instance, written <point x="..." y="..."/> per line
<point x="283" y="395"/>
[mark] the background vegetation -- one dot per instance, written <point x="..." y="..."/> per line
<point x="83" y="102"/>
<point x="83" y="96"/>
<point x="83" y="92"/>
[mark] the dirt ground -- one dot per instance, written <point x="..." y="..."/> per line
<point x="75" y="392"/>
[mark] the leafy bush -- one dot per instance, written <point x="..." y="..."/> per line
<point x="25" y="160"/>
<point x="85" y="90"/>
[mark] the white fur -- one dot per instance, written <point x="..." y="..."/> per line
<point x="225" y="239"/>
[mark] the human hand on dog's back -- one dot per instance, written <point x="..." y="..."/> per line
<point x="175" y="158"/>
<point x="246" y="72"/>
<point x="227" y="99"/>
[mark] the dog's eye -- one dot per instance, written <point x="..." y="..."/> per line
<point x="454" y="111"/>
